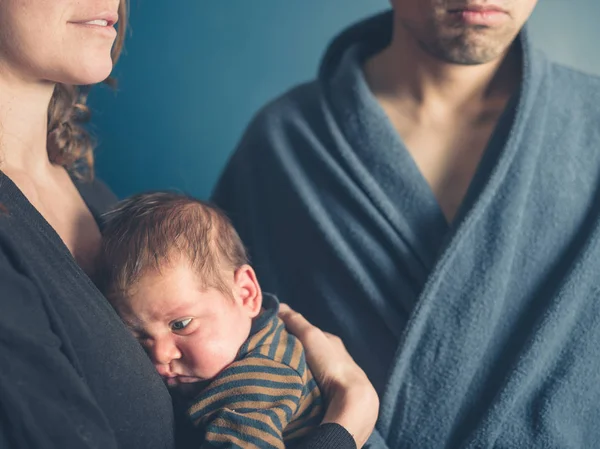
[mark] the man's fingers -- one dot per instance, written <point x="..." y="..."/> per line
<point x="294" y="321"/>
<point x="298" y="325"/>
<point x="335" y="339"/>
<point x="284" y="308"/>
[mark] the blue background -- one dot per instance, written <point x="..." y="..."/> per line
<point x="195" y="71"/>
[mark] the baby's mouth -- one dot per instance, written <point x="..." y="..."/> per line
<point x="186" y="389"/>
<point x="180" y="380"/>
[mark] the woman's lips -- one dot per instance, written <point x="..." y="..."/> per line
<point x="96" y="27"/>
<point x="101" y="23"/>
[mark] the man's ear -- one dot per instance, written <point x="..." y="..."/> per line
<point x="247" y="290"/>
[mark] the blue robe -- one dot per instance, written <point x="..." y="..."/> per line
<point x="480" y="333"/>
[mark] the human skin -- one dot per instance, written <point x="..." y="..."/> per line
<point x="462" y="31"/>
<point x="191" y="332"/>
<point x="56" y="41"/>
<point x="44" y="43"/>
<point x="352" y="400"/>
<point x="444" y="81"/>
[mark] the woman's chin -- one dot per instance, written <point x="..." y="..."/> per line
<point x="88" y="72"/>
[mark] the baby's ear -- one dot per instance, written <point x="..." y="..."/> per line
<point x="247" y="290"/>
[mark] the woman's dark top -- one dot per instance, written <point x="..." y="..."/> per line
<point x="71" y="375"/>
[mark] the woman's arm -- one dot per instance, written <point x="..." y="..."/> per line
<point x="352" y="402"/>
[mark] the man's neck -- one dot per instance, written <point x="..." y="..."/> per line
<point x="445" y="113"/>
<point x="23" y="123"/>
<point x="407" y="76"/>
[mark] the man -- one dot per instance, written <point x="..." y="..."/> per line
<point x="433" y="199"/>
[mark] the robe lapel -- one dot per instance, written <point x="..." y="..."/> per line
<point x="443" y="354"/>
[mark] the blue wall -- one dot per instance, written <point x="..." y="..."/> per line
<point x="194" y="73"/>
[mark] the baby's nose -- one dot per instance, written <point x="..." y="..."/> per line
<point x="164" y="370"/>
<point x="163" y="352"/>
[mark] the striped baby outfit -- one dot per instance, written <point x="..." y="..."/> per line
<point x="266" y="396"/>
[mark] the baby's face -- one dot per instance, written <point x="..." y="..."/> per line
<point x="190" y="334"/>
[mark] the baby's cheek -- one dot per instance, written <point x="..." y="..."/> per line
<point x="210" y="358"/>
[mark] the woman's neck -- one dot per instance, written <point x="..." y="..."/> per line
<point x="23" y="124"/>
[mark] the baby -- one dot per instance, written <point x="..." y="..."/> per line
<point x="178" y="275"/>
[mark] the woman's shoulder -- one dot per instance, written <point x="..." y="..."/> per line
<point x="97" y="195"/>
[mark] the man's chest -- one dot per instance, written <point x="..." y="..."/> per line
<point x="447" y="156"/>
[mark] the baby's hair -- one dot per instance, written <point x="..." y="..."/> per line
<point x="149" y="231"/>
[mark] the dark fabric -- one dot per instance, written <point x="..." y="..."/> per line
<point x="479" y="334"/>
<point x="328" y="436"/>
<point x="72" y="376"/>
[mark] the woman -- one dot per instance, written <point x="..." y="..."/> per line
<point x="72" y="376"/>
